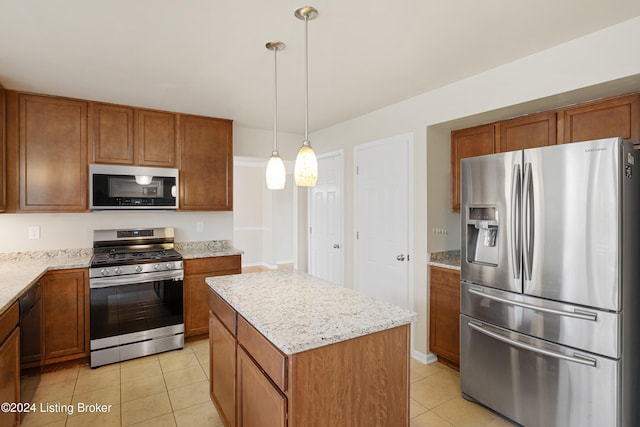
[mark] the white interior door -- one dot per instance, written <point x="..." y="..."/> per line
<point x="326" y="251"/>
<point x="382" y="219"/>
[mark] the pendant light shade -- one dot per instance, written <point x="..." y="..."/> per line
<point x="276" y="174"/>
<point x="306" y="168"/>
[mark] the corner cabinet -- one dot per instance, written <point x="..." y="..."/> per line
<point x="48" y="139"/>
<point x="10" y="364"/>
<point x="206" y="163"/>
<point x="444" y="314"/>
<point x="196" y="291"/>
<point x="65" y="311"/>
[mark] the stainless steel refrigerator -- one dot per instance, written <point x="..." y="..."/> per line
<point x="550" y="292"/>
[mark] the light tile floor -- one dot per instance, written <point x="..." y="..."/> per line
<point x="172" y="389"/>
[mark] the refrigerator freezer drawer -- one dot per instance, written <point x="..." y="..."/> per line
<point x="536" y="383"/>
<point x="584" y="328"/>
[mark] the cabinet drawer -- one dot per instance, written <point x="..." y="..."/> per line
<point x="265" y="354"/>
<point x="8" y="321"/>
<point x="212" y="264"/>
<point x="224" y="311"/>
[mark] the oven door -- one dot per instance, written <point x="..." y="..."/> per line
<point x="125" y="309"/>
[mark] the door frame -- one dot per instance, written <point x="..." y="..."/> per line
<point x="410" y="209"/>
<point x="337" y="153"/>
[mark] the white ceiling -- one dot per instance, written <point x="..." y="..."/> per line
<point x="208" y="56"/>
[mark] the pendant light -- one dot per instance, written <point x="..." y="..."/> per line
<point x="306" y="168"/>
<point x="275" y="174"/>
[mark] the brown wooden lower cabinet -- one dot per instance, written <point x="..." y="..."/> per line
<point x="65" y="311"/>
<point x="196" y="291"/>
<point x="444" y="314"/>
<point x="363" y="381"/>
<point x="10" y="364"/>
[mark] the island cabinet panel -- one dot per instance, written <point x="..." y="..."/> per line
<point x="111" y="134"/>
<point x="613" y="117"/>
<point x="444" y="314"/>
<point x="465" y="143"/>
<point x="65" y="301"/>
<point x="196" y="291"/>
<point x="270" y="359"/>
<point x="222" y="368"/>
<point x="359" y="382"/>
<point x="9" y="363"/>
<point x="51" y="139"/>
<point x="206" y="164"/>
<point x="260" y="404"/>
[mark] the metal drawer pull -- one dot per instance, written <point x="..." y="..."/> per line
<point x="584" y="315"/>
<point x="576" y="358"/>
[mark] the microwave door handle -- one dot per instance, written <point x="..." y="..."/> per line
<point x="576" y="358"/>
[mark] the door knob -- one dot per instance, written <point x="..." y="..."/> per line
<point x="336" y="246"/>
<point x="400" y="257"/>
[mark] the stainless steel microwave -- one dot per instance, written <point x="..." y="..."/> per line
<point x="132" y="187"/>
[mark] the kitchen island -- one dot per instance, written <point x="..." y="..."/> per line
<point x="291" y="349"/>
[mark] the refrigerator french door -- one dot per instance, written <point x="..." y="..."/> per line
<point x="549" y="292"/>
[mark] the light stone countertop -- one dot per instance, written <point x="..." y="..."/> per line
<point x="24" y="269"/>
<point x="206" y="249"/>
<point x="299" y="312"/>
<point x="446" y="259"/>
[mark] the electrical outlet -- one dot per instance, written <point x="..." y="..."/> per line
<point x="200" y="227"/>
<point x="34" y="232"/>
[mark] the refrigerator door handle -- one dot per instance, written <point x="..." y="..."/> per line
<point x="578" y="314"/>
<point x="516" y="221"/>
<point x="528" y="233"/>
<point x="576" y="358"/>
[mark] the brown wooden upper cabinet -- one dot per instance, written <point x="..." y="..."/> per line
<point x="612" y="117"/>
<point x="132" y="136"/>
<point x="3" y="150"/>
<point x="536" y="130"/>
<point x="206" y="163"/>
<point x="51" y="138"/>
<point x="470" y="142"/>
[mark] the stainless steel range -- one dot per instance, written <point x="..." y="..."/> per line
<point x="136" y="294"/>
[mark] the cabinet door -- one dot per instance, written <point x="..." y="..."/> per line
<point x="470" y="142"/>
<point x="3" y="150"/>
<point x="53" y="154"/>
<point x="156" y="138"/>
<point x="10" y="377"/>
<point x="65" y="298"/>
<point x="222" y="368"/>
<point x="609" y="118"/>
<point x="444" y="314"/>
<point x="260" y="403"/>
<point x="196" y="291"/>
<point x="537" y="130"/>
<point x="206" y="164"/>
<point x="111" y="134"/>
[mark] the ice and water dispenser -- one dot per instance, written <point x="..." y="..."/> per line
<point x="482" y="235"/>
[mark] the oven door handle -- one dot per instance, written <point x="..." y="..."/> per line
<point x="132" y="279"/>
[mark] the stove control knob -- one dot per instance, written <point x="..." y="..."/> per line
<point x="170" y="266"/>
<point x="138" y="268"/>
<point x="104" y="271"/>
<point x="117" y="270"/>
<point x="157" y="266"/>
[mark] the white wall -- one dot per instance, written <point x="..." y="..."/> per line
<point x="600" y="64"/>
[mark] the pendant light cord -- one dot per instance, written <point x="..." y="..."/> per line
<point x="275" y="98"/>
<point x="306" y="79"/>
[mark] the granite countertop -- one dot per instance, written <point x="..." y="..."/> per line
<point x="19" y="270"/>
<point x="299" y="312"/>
<point x="446" y="259"/>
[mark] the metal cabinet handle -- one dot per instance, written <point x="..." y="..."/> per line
<point x="577" y="358"/>
<point x="400" y="257"/>
<point x="336" y="246"/>
<point x="584" y="315"/>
